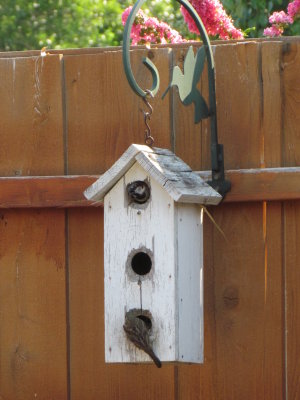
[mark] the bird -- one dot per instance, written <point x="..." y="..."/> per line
<point x="138" y="191"/>
<point x="138" y="332"/>
<point x="187" y="81"/>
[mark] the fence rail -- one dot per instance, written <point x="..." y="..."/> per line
<point x="263" y="184"/>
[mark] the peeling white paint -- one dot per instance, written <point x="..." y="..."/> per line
<point x="172" y="233"/>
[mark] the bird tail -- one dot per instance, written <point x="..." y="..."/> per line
<point x="156" y="360"/>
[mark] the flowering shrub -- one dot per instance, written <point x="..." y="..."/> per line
<point x="280" y="20"/>
<point x="216" y="21"/>
<point x="214" y="18"/>
<point x="149" y="30"/>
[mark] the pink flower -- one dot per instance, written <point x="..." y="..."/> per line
<point x="214" y="18"/>
<point x="273" y="31"/>
<point x="125" y="14"/>
<point x="150" y="30"/>
<point x="294" y="8"/>
<point x="280" y="18"/>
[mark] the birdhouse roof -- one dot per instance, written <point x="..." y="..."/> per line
<point x="174" y="176"/>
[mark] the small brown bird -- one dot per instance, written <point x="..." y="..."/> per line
<point x="138" y="191"/>
<point x="138" y="332"/>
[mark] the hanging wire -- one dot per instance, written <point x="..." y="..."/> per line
<point x="141" y="297"/>
<point x="149" y="140"/>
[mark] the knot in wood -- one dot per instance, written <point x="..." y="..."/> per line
<point x="231" y="297"/>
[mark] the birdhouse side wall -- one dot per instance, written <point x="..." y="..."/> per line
<point x="190" y="283"/>
<point x="129" y="228"/>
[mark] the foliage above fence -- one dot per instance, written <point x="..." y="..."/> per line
<point x="94" y="23"/>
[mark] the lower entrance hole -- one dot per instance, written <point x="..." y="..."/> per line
<point x="141" y="263"/>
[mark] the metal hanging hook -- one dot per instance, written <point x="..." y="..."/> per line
<point x="218" y="181"/>
<point x="149" y="140"/>
<point x="149" y="64"/>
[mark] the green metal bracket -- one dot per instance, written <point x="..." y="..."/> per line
<point x="186" y="83"/>
<point x="126" y="57"/>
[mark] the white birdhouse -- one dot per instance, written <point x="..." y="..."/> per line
<point x="153" y="253"/>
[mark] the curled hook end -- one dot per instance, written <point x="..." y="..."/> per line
<point x="149" y="141"/>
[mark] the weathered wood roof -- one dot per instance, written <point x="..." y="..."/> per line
<point x="174" y="175"/>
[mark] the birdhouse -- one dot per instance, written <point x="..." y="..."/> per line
<point x="153" y="254"/>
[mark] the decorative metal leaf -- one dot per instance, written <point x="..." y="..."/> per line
<point x="187" y="81"/>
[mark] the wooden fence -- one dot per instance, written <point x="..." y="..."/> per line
<point x="64" y="119"/>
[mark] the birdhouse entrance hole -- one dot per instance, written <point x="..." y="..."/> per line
<point x="141" y="263"/>
<point x="138" y="192"/>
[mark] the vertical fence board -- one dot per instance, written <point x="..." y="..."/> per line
<point x="291" y="157"/>
<point x="248" y="303"/>
<point x="86" y="305"/>
<point x="239" y="103"/>
<point x="32" y="303"/>
<point x="31" y="116"/>
<point x="99" y="130"/>
<point x="292" y="274"/>
<point x="291" y="101"/>
<point x="271" y="156"/>
<point x="273" y="355"/>
<point x="271" y="139"/>
<point x="32" y="258"/>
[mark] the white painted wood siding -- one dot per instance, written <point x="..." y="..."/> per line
<point x="127" y="228"/>
<point x="190" y="283"/>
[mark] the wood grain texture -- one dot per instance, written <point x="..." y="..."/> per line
<point x="101" y="104"/>
<point x="292" y="261"/>
<point x="243" y="278"/>
<point x="291" y="100"/>
<point x="269" y="184"/>
<point x="243" y="307"/>
<point x="177" y="178"/>
<point x="251" y="278"/>
<point x="33" y="305"/>
<point x="258" y="258"/>
<point x="271" y="103"/>
<point x="261" y="184"/>
<point x="44" y="192"/>
<point x="88" y="373"/>
<point x="234" y="307"/>
<point x="291" y="156"/>
<point x="33" y="301"/>
<point x="31" y="122"/>
<point x="239" y="103"/>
